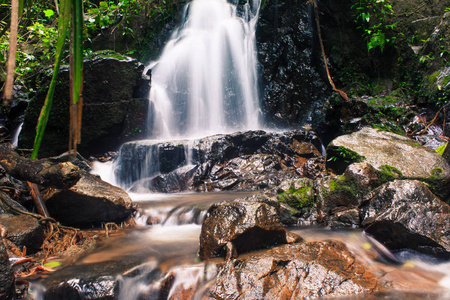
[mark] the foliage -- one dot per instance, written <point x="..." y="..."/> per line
<point x="441" y="149"/>
<point x="370" y="16"/>
<point x="71" y="13"/>
<point x="339" y="158"/>
<point x="344" y="154"/>
<point x="38" y="29"/>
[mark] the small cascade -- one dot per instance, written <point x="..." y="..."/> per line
<point x="205" y="81"/>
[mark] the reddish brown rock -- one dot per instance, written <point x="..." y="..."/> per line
<point x="247" y="225"/>
<point x="297" y="271"/>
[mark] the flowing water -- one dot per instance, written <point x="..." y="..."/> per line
<point x="139" y="262"/>
<point x="205" y="81"/>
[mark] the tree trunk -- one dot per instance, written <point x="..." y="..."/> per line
<point x="42" y="172"/>
<point x="7" y="94"/>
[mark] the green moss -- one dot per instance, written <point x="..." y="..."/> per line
<point x="389" y="173"/>
<point x="436" y="173"/>
<point x="303" y="197"/>
<point x="345" y="185"/>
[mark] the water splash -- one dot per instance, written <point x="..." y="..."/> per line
<point x="205" y="81"/>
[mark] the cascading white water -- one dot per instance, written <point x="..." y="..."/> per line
<point x="205" y="81"/>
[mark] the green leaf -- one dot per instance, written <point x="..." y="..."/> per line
<point x="52" y="264"/>
<point x="49" y="12"/>
<point x="441" y="149"/>
<point x="103" y="4"/>
<point x="63" y="26"/>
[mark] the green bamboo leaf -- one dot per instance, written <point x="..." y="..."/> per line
<point x="63" y="26"/>
<point x="77" y="49"/>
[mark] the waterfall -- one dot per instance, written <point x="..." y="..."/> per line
<point x="205" y="81"/>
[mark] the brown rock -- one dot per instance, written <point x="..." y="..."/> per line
<point x="248" y="225"/>
<point x="297" y="271"/>
<point x="23" y="231"/>
<point x="89" y="202"/>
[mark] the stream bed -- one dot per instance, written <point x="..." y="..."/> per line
<point x="137" y="263"/>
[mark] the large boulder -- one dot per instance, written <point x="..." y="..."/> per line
<point x="405" y="214"/>
<point x="23" y="231"/>
<point x="394" y="153"/>
<point x="297" y="271"/>
<point x="7" y="278"/>
<point x="113" y="109"/>
<point x="241" y="226"/>
<point x="293" y="82"/>
<point x="89" y="202"/>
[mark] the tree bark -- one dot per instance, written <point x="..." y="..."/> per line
<point x="7" y="94"/>
<point x="42" y="172"/>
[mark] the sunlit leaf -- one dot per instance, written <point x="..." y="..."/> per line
<point x="48" y="13"/>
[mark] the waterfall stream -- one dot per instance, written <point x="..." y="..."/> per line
<point x="205" y="81"/>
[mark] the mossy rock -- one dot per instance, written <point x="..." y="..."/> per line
<point x="300" y="194"/>
<point x="397" y="156"/>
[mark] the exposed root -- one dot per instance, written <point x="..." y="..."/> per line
<point x="434" y="119"/>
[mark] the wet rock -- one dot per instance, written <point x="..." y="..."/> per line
<point x="348" y="218"/>
<point x="244" y="160"/>
<point x="405" y="214"/>
<point x="98" y="288"/>
<point x="7" y="276"/>
<point x="293" y="79"/>
<point x="297" y="271"/>
<point x="89" y="202"/>
<point x="300" y="194"/>
<point x="111" y="113"/>
<point x="23" y="231"/>
<point x="248" y="225"/>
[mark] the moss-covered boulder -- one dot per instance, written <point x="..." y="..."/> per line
<point x="113" y="110"/>
<point x="398" y="156"/>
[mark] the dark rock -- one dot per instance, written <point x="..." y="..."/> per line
<point x="248" y="225"/>
<point x="297" y="271"/>
<point x="7" y="275"/>
<point x="23" y="231"/>
<point x="244" y="160"/>
<point x="101" y="287"/>
<point x="405" y="214"/>
<point x="348" y="218"/>
<point x="111" y="115"/>
<point x="293" y="81"/>
<point x="89" y="202"/>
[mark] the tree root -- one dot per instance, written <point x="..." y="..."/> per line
<point x="319" y="33"/>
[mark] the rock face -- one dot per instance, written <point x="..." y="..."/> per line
<point x="23" y="231"/>
<point x="405" y="214"/>
<point x="113" y="111"/>
<point x="298" y="271"/>
<point x="247" y="225"/>
<point x="243" y="160"/>
<point x="294" y="81"/>
<point x="7" y="278"/>
<point x="386" y="150"/>
<point x="89" y="202"/>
